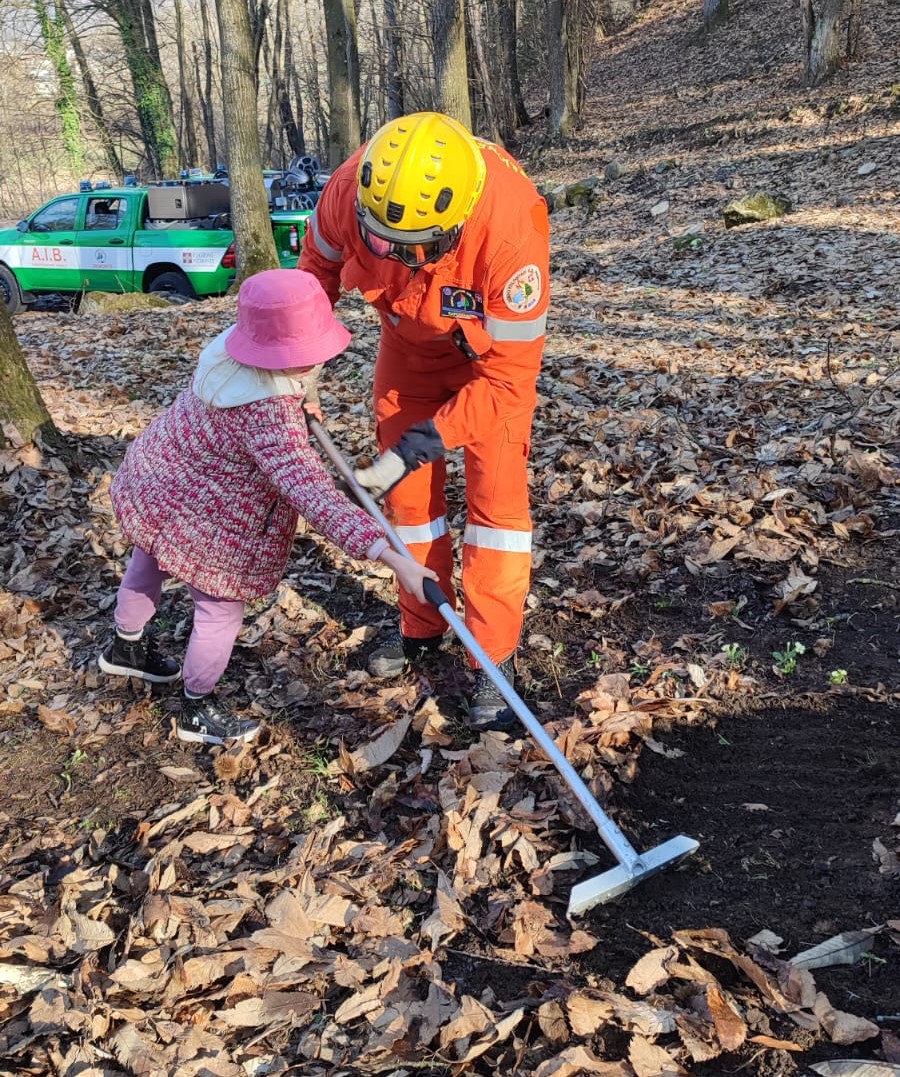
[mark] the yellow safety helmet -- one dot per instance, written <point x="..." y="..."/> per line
<point x="418" y="182"/>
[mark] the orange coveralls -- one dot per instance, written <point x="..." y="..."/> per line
<point x="478" y="387"/>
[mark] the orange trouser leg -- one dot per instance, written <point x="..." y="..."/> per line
<point x="416" y="507"/>
<point x="497" y="541"/>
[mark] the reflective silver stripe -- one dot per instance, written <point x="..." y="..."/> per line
<point x="331" y="253"/>
<point x="394" y="319"/>
<point x="502" y="329"/>
<point x="423" y="532"/>
<point x="493" y="538"/>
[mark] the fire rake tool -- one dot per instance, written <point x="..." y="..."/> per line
<point x="633" y="867"/>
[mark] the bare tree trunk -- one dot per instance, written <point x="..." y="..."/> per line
<point x="854" y="28"/>
<point x="715" y="13"/>
<point x="343" y="80"/>
<point x="567" y="63"/>
<point x="822" y="34"/>
<point x="395" y="88"/>
<point x="448" y="31"/>
<point x="478" y="36"/>
<point x="615" y="13"/>
<point x="91" y="96"/>
<point x="188" y="139"/>
<point x="291" y="129"/>
<point x="254" y="242"/>
<point x="506" y="28"/>
<point x="22" y="408"/>
<point x="134" y="19"/>
<point x="51" y="24"/>
<point x="206" y="97"/>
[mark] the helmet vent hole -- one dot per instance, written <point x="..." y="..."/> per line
<point x="444" y="199"/>
<point x="394" y="212"/>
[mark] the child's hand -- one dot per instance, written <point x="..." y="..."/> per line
<point x="313" y="410"/>
<point x="410" y="574"/>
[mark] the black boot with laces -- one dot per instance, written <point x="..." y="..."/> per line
<point x="399" y="651"/>
<point x="207" y="720"/>
<point x="138" y="658"/>
<point x="487" y="708"/>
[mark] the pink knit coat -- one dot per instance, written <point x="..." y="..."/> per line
<point x="214" y="494"/>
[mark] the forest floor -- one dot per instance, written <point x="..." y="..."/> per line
<point x="712" y="637"/>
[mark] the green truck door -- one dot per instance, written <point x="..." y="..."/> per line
<point x="104" y="243"/>
<point x="47" y="257"/>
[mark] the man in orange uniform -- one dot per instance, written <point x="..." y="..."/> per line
<point x="448" y="239"/>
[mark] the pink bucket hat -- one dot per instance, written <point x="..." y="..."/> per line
<point x="284" y="320"/>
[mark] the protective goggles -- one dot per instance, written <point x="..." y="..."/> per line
<point x="417" y="248"/>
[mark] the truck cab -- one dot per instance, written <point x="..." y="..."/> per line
<point x="106" y="240"/>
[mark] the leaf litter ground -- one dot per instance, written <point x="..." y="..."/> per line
<point x="367" y="890"/>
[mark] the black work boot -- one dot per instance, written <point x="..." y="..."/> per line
<point x="207" y="720"/>
<point x="138" y="658"/>
<point x="397" y="651"/>
<point x="487" y="708"/>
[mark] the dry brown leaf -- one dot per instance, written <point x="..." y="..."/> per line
<point x="552" y="1021"/>
<point x="447" y="916"/>
<point x="844" y="949"/>
<point x="82" y="934"/>
<point x="274" y="1008"/>
<point x="651" y="1060"/>
<point x="730" y="1026"/>
<point x="56" y="721"/>
<point x="588" y="1013"/>
<point x="776" y="1045"/>
<point x="651" y="970"/>
<point x="579" y="1061"/>
<point x="887" y="859"/>
<point x="843" y="1027"/>
<point x="361" y="1004"/>
<point x="378" y="751"/>
<point x="180" y="775"/>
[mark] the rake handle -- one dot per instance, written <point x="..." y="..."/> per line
<point x="612" y="836"/>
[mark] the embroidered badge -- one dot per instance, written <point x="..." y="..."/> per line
<point x="461" y="303"/>
<point x="523" y="289"/>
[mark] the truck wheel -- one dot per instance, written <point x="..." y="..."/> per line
<point x="10" y="295"/>
<point x="174" y="284"/>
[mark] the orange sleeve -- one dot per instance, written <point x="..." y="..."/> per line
<point x="506" y="374"/>
<point x="326" y="232"/>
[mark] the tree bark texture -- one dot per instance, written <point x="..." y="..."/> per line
<point x="395" y="88"/>
<point x="91" y="96"/>
<point x="188" y="140"/>
<point x="66" y="102"/>
<point x="206" y="95"/>
<point x="137" y="29"/>
<point x="822" y="36"/>
<point x="448" y="32"/>
<point x="567" y="61"/>
<point x="22" y="407"/>
<point x="282" y="58"/>
<point x="615" y="13"/>
<point x="506" y="20"/>
<point x="343" y="80"/>
<point x="715" y="13"/>
<point x="253" y="239"/>
<point x="486" y="74"/>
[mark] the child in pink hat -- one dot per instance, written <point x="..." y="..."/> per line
<point x="211" y="491"/>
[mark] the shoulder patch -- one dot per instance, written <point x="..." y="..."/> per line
<point x="522" y="291"/>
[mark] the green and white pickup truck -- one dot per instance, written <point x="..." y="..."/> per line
<point x="107" y="240"/>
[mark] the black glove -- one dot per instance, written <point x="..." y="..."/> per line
<point x="421" y="444"/>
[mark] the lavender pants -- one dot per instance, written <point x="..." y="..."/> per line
<point x="217" y="621"/>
